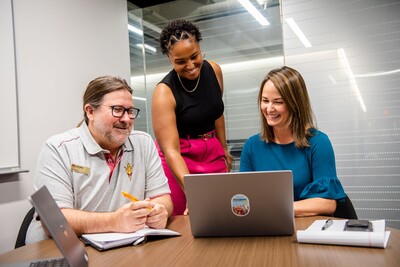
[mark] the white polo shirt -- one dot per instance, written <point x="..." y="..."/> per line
<point x="75" y="170"/>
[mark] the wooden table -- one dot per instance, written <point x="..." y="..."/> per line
<point x="225" y="251"/>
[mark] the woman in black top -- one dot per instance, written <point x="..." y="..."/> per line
<point x="187" y="111"/>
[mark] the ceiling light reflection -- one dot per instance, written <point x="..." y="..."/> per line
<point x="296" y="29"/>
<point x="139" y="98"/>
<point x="254" y="12"/>
<point x="352" y="80"/>
<point x="375" y="74"/>
<point x="148" y="47"/>
<point x="135" y="30"/>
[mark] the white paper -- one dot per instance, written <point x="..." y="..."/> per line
<point x="110" y="240"/>
<point x="336" y="235"/>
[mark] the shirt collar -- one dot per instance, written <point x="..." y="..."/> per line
<point x="92" y="146"/>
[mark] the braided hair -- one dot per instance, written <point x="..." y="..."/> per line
<point x="177" y="30"/>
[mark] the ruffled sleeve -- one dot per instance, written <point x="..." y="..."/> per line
<point x="330" y="188"/>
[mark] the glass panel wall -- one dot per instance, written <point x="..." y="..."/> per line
<point x="349" y="58"/>
<point x="232" y="37"/>
<point x="138" y="66"/>
<point x="351" y="63"/>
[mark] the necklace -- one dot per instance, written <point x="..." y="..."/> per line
<point x="189" y="91"/>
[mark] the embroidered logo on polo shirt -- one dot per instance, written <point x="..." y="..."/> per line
<point x="80" y="169"/>
<point x="129" y="171"/>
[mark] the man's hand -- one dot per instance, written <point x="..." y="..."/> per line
<point x="162" y="209"/>
<point x="132" y="216"/>
<point x="158" y="216"/>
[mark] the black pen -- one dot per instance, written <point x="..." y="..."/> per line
<point x="327" y="224"/>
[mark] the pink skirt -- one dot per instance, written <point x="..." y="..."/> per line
<point x="201" y="156"/>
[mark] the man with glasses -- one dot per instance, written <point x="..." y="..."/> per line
<point x="88" y="167"/>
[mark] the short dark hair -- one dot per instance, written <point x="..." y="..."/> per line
<point x="177" y="30"/>
<point x="99" y="87"/>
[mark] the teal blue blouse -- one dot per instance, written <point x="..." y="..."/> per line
<point x="314" y="168"/>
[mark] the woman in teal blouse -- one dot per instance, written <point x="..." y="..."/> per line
<point x="289" y="140"/>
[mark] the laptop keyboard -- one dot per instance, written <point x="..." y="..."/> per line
<point x="60" y="262"/>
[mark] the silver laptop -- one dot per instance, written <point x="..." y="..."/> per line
<point x="240" y="203"/>
<point x="62" y="233"/>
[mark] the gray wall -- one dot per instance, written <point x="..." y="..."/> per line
<point x="60" y="47"/>
<point x="8" y="104"/>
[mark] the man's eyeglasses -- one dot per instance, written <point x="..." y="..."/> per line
<point x="119" y="111"/>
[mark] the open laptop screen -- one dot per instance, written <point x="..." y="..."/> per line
<point x="61" y="232"/>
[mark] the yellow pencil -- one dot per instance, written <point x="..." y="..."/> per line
<point x="129" y="196"/>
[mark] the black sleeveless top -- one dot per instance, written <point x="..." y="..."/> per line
<point x="196" y="112"/>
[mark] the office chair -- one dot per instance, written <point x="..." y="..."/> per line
<point x="24" y="228"/>
<point x="345" y="210"/>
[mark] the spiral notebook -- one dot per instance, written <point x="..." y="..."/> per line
<point x="105" y="241"/>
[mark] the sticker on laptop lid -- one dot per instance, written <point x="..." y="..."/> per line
<point x="240" y="205"/>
